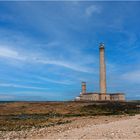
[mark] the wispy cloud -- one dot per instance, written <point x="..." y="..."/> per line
<point x="35" y="58"/>
<point x="93" y="9"/>
<point x="9" y="53"/>
<point x="65" y="64"/>
<point x="21" y="86"/>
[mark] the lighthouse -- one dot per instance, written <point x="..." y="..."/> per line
<point x="102" y="69"/>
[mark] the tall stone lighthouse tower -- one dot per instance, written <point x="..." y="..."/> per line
<point x="102" y="69"/>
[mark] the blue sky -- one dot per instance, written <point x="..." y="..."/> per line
<point x="48" y="48"/>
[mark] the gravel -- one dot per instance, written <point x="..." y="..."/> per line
<point x="95" y="127"/>
<point x="122" y="129"/>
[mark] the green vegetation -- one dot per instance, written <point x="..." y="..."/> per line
<point x="111" y="108"/>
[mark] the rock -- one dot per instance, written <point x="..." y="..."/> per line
<point x="113" y="134"/>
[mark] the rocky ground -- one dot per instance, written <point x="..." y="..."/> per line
<point x="90" y="127"/>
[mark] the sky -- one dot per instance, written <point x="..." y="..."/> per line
<point x="48" y="48"/>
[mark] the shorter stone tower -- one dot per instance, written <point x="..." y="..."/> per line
<point x="83" y="87"/>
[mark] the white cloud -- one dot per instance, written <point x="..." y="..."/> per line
<point x="6" y="52"/>
<point x="132" y="77"/>
<point x="93" y="9"/>
<point x="9" y="53"/>
<point x="65" y="64"/>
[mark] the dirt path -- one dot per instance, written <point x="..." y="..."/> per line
<point x="122" y="129"/>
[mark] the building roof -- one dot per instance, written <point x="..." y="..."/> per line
<point x="90" y="93"/>
<point x="100" y="93"/>
<point x="117" y="94"/>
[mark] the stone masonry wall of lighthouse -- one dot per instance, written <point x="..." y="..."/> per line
<point x="102" y="69"/>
